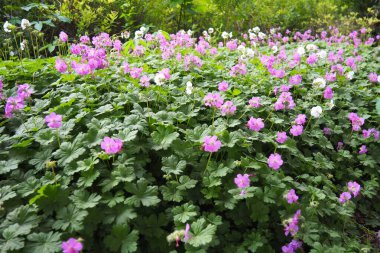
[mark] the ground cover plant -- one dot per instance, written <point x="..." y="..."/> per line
<point x="262" y="142"/>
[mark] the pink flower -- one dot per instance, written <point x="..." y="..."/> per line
<point x="255" y="124"/>
<point x="72" y="246"/>
<point x="144" y="81"/>
<point x="13" y="105"/>
<point x="84" y="39"/>
<point x="213" y="100"/>
<point x="354" y="188"/>
<point x="285" y="101"/>
<point x="296" y="130"/>
<point x="63" y="36"/>
<point x="239" y="68"/>
<point x="82" y="69"/>
<point x="328" y="93"/>
<point x="242" y="181"/>
<point x="60" y="65"/>
<point x="292" y="226"/>
<point x="363" y="149"/>
<point x="222" y="86"/>
<point x="275" y="161"/>
<point x="295" y="80"/>
<point x="254" y="102"/>
<point x="281" y="137"/>
<point x="312" y="59"/>
<point x="371" y="132"/>
<point x="301" y="119"/>
<point x="228" y="108"/>
<point x="356" y="121"/>
<point x="24" y="91"/>
<point x="331" y="77"/>
<point x="166" y="73"/>
<point x="187" y="233"/>
<point x="326" y="131"/>
<point x="344" y="197"/>
<point x="126" y="67"/>
<point x="291" y="247"/>
<point x="136" y="72"/>
<point x="211" y="144"/>
<point x="292" y="196"/>
<point x="372" y="77"/>
<point x="111" y="145"/>
<point x="53" y="120"/>
<point x="117" y="45"/>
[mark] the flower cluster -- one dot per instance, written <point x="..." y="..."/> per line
<point x="14" y="104"/>
<point x="353" y="188"/>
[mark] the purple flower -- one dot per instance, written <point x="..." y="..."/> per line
<point x="187" y="233"/>
<point x="296" y="130"/>
<point x="144" y="81"/>
<point x="331" y="77"/>
<point x="222" y="86"/>
<point x="292" y="196"/>
<point x="63" y="36"/>
<point x="363" y="149"/>
<point x="339" y="145"/>
<point x="72" y="246"/>
<point x="213" y="100"/>
<point x="326" y="131"/>
<point x="255" y="124"/>
<point x="281" y="137"/>
<point x="371" y="132"/>
<point x="53" y="120"/>
<point x="344" y="197"/>
<point x="301" y="119"/>
<point x="328" y="93"/>
<point x="295" y="80"/>
<point x="228" y="108"/>
<point x="24" y="91"/>
<point x="136" y="72"/>
<point x="356" y="121"/>
<point x="275" y="161"/>
<point x="312" y="59"/>
<point x="242" y="181"/>
<point x="354" y="188"/>
<point x="285" y="101"/>
<point x="292" y="226"/>
<point x="111" y="145"/>
<point x="60" y="65"/>
<point x="372" y="77"/>
<point x="291" y="247"/>
<point x="254" y="102"/>
<point x="211" y="144"/>
<point x="13" y="105"/>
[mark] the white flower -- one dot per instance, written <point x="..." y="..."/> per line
<point x="322" y="54"/>
<point x="159" y="79"/>
<point x="210" y="30"/>
<point x="250" y="53"/>
<point x="350" y="75"/>
<point x="6" y="27"/>
<point x="311" y="47"/>
<point x="189" y="32"/>
<point x="139" y="34"/>
<point x="189" y="88"/>
<point x="11" y="53"/>
<point x="256" y="29"/>
<point x="261" y="35"/>
<point x="230" y="34"/>
<point x="316" y="111"/>
<point x="274" y="49"/>
<point x="330" y="104"/>
<point x="22" y="45"/>
<point x="252" y="36"/>
<point x="243" y="57"/>
<point x="301" y="51"/>
<point x="24" y="23"/>
<point x="125" y="35"/>
<point x="378" y="78"/>
<point x="272" y="31"/>
<point x="225" y="35"/>
<point x="143" y="29"/>
<point x="320" y="82"/>
<point x="241" y="48"/>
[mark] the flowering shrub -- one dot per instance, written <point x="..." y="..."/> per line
<point x="167" y="143"/>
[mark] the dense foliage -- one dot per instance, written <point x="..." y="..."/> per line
<point x="165" y="143"/>
<point x="113" y="16"/>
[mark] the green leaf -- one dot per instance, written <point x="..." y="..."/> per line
<point x="378" y="106"/>
<point x="9" y="165"/>
<point x="82" y="199"/>
<point x="44" y="242"/>
<point x="10" y="240"/>
<point x="68" y="152"/>
<point x="171" y="165"/>
<point x="184" y="213"/>
<point x="201" y="234"/>
<point x="122" y="239"/>
<point x="163" y="137"/>
<point x="142" y="193"/>
<point x="70" y="219"/>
